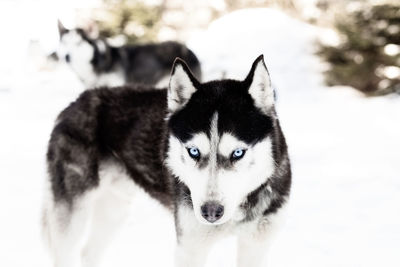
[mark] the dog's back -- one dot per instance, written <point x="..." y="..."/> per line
<point x="151" y="63"/>
<point x="120" y="123"/>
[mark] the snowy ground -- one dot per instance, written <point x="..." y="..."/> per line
<point x="345" y="149"/>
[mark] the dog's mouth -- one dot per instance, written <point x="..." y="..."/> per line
<point x="215" y="223"/>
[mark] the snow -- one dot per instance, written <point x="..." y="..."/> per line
<point x="345" y="203"/>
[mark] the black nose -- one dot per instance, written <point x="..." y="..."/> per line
<point x="67" y="58"/>
<point x="212" y="211"/>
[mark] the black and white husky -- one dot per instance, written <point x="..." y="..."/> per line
<point x="96" y="63"/>
<point x="213" y="153"/>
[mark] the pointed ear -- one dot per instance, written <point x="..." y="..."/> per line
<point x="182" y="85"/>
<point x="61" y="28"/>
<point x="260" y="87"/>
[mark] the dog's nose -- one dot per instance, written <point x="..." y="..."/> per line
<point x="67" y="58"/>
<point x="212" y="211"/>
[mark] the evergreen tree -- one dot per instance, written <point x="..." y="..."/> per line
<point x="368" y="58"/>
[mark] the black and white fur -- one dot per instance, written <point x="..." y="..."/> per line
<point x="111" y="142"/>
<point x="97" y="63"/>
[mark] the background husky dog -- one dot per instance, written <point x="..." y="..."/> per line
<point x="213" y="153"/>
<point x="98" y="64"/>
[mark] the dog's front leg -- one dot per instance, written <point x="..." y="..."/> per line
<point x="255" y="238"/>
<point x="191" y="253"/>
<point x="252" y="251"/>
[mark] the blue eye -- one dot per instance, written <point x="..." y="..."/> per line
<point x="194" y="152"/>
<point x="238" y="154"/>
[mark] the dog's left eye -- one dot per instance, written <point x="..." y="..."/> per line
<point x="194" y="152"/>
<point x="238" y="154"/>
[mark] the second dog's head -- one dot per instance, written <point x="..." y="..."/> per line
<point x="81" y="52"/>
<point x="220" y="143"/>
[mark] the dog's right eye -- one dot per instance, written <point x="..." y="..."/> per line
<point x="194" y="152"/>
<point x="238" y="154"/>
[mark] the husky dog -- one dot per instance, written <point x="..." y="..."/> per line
<point x="98" y="64"/>
<point x="213" y="153"/>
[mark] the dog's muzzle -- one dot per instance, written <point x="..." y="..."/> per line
<point x="212" y="211"/>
